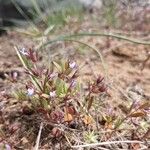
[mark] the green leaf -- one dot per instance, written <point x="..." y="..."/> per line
<point x="44" y="103"/>
<point x="36" y="82"/>
<point x="20" y="95"/>
<point x="61" y="88"/>
<point x="58" y="86"/>
<point x="35" y="101"/>
<point x="64" y="88"/>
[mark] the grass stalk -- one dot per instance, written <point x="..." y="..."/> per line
<point x="107" y="143"/>
<point x="120" y="37"/>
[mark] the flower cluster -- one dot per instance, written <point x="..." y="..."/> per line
<point x="55" y="94"/>
<point x="54" y="90"/>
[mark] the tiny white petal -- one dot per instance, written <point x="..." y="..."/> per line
<point x="72" y="65"/>
<point x="15" y="74"/>
<point x="23" y="51"/>
<point x="30" y="91"/>
<point x="52" y="94"/>
<point x="73" y="83"/>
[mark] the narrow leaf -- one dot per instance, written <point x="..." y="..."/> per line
<point x="57" y="66"/>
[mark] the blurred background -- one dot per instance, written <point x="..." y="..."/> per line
<point x="108" y="13"/>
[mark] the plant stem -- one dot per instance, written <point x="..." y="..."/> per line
<point x="120" y="37"/>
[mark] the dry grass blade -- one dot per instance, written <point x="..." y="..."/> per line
<point x="106" y="143"/>
<point x="38" y="137"/>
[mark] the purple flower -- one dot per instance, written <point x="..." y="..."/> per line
<point x="7" y="147"/>
<point x="73" y="83"/>
<point x="30" y="91"/>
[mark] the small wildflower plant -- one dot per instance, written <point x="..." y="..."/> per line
<point x="55" y="89"/>
<point x="55" y="92"/>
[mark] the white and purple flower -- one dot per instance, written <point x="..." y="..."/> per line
<point x="7" y="146"/>
<point x="52" y="94"/>
<point x="30" y="91"/>
<point x="53" y="75"/>
<point x="73" y="83"/>
<point x="24" y="52"/>
<point x="72" y="65"/>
